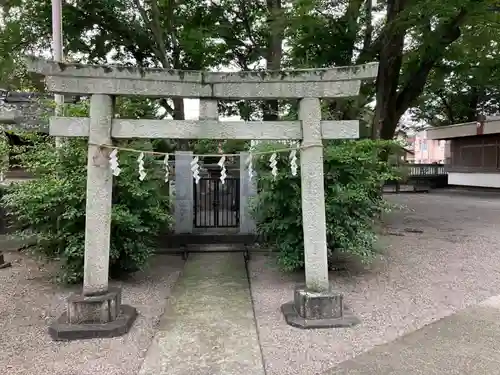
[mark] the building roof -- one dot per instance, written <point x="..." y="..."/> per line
<point x="468" y="129"/>
<point x="26" y="97"/>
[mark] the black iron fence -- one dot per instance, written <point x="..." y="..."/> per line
<point x="216" y="204"/>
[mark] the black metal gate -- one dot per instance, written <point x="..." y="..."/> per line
<point x="217" y="204"/>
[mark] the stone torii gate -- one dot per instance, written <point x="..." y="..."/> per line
<point x="97" y="311"/>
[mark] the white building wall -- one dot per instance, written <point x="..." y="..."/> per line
<point x="489" y="180"/>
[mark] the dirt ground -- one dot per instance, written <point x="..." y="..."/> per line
<point x="441" y="255"/>
<point x="29" y="301"/>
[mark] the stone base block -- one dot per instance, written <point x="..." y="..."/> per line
<point x="98" y="316"/>
<point x="311" y="309"/>
<point x="3" y="263"/>
<point x="101" y="308"/>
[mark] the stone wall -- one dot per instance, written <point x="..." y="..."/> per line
<point x="26" y="111"/>
<point x="184" y="192"/>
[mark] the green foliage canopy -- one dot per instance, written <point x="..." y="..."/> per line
<point x="354" y="176"/>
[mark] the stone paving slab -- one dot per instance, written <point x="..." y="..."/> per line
<point x="208" y="327"/>
<point x="464" y="343"/>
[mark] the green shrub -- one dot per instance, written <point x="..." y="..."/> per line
<point x="52" y="206"/>
<point x="354" y="176"/>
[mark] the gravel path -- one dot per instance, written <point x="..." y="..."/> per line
<point x="29" y="301"/>
<point x="451" y="264"/>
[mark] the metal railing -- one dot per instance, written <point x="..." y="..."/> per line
<point x="423" y="170"/>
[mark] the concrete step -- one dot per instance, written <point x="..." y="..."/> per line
<point x="171" y="240"/>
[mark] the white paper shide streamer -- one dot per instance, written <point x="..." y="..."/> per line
<point x="142" y="171"/>
<point x="273" y="163"/>
<point x="222" y="165"/>
<point x="167" y="169"/>
<point x="113" y="162"/>
<point x="293" y="162"/>
<point x="195" y="168"/>
<point x="249" y="163"/>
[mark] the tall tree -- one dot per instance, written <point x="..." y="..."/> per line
<point x="411" y="40"/>
<point x="466" y="83"/>
<point x="431" y="33"/>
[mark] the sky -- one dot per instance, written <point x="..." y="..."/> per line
<point x="192" y="109"/>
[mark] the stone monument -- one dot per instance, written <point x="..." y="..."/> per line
<point x="97" y="311"/>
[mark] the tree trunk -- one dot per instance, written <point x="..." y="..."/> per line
<point x="178" y="114"/>
<point x="152" y="20"/>
<point x="391" y="103"/>
<point x="274" y="52"/>
<point x="342" y="109"/>
<point x="474" y="102"/>
<point x="391" y="58"/>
